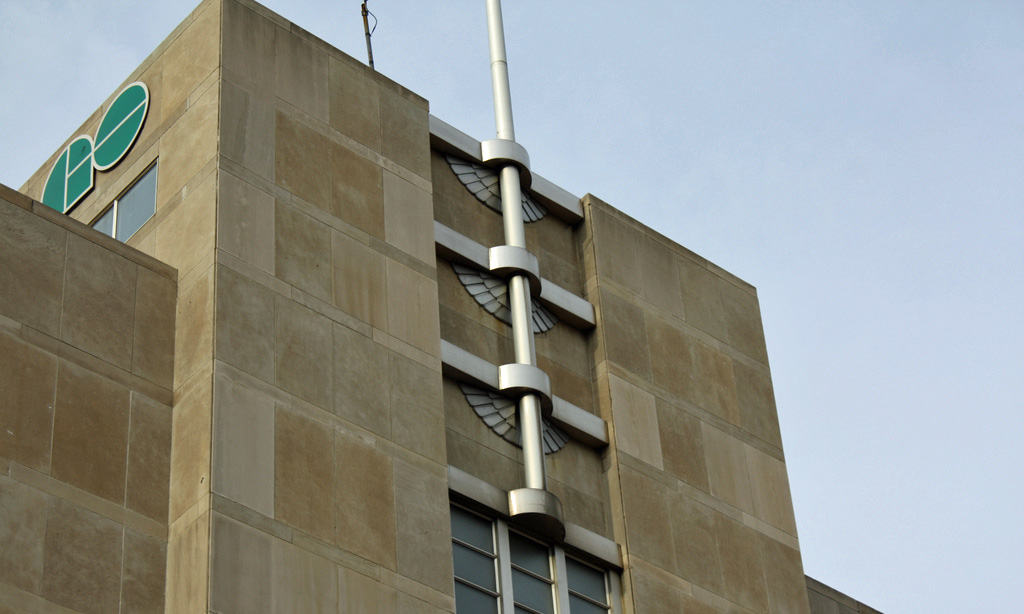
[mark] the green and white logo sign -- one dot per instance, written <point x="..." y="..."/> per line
<point x="71" y="177"/>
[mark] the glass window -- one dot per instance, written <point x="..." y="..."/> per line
<point x="499" y="570"/>
<point x="132" y="209"/>
<point x="473" y="554"/>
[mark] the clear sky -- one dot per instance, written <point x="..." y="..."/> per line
<point x="861" y="163"/>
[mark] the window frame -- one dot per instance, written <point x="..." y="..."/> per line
<point x="500" y="530"/>
<point x="115" y="204"/>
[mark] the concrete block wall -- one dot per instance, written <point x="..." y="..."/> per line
<point x="86" y="365"/>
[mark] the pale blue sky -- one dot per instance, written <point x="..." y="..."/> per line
<point x="862" y="164"/>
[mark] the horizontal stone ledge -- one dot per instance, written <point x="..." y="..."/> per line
<point x="569" y="308"/>
<point x="581" y="425"/>
<point x="563" y="204"/>
<point x="495" y="500"/>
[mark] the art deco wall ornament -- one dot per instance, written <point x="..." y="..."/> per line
<point x="483" y="183"/>
<point x="499" y="413"/>
<point x="491" y="292"/>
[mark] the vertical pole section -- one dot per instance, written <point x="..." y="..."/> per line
<point x="531" y="427"/>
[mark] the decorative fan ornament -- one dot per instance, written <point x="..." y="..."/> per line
<point x="482" y="182"/>
<point x="499" y="413"/>
<point x="491" y="292"/>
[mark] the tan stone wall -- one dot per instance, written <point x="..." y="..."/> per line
<point x="827" y="600"/>
<point x="701" y="498"/>
<point x="328" y="468"/>
<point x="181" y="134"/>
<point x="86" y="365"/>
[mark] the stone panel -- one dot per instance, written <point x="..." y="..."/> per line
<point x="714" y="385"/>
<point x="424" y="529"/>
<point x="784" y="575"/>
<point x="245" y="315"/>
<point x="99" y="302"/>
<point x="149" y="458"/>
<point x="32" y="256"/>
<point x="654" y="593"/>
<point x="248" y="46"/>
<point x="682" y="445"/>
<point x="188" y="557"/>
<point x="185" y="239"/>
<point x="636" y="421"/>
<point x="660" y="276"/>
<point x="695" y="542"/>
<point x="756" y="402"/>
<point x="247" y="128"/>
<point x="770" y="489"/>
<point x="408" y="218"/>
<point x="302" y="582"/>
<point x="190" y="444"/>
<point x="243" y="445"/>
<point x="743" y="569"/>
<point x="359" y="280"/>
<point x="82" y="559"/>
<point x="22" y="534"/>
<point x="357" y="192"/>
<point x="90" y="432"/>
<point x="188" y="145"/>
<point x="142" y="584"/>
<point x="300" y="156"/>
<point x="672" y="360"/>
<point x="359" y="593"/>
<point x="648" y="521"/>
<point x="417" y="414"/>
<point x="412" y="308"/>
<point x="354" y="102"/>
<point x="301" y="73"/>
<point x="193" y="330"/>
<point x="245" y="221"/>
<point x="617" y="248"/>
<point x="191" y="57"/>
<point x="405" y="135"/>
<point x="153" y="346"/>
<point x="743" y="322"/>
<point x="727" y="468"/>
<point x="361" y="381"/>
<point x="304" y="353"/>
<point x="701" y="298"/>
<point x="364" y="498"/>
<point x="624" y="332"/>
<point x="304" y="474"/>
<point x="302" y="251"/>
<point x="28" y="379"/>
<point x="239" y="568"/>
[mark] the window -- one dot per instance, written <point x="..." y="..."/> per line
<point x="131" y="210"/>
<point x="500" y="570"/>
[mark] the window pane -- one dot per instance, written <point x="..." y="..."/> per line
<point x="106" y="223"/>
<point x="473" y="566"/>
<point x="468" y="600"/>
<point x="531" y="592"/>
<point x="579" y="606"/>
<point x="472" y="529"/>
<point x="529" y="555"/>
<point x="137" y="205"/>
<point x="585" y="580"/>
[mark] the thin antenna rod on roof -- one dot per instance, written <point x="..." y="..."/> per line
<point x="368" y="31"/>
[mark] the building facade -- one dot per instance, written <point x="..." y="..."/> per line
<point x="270" y="377"/>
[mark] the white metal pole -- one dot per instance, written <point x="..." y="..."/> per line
<point x="531" y="426"/>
